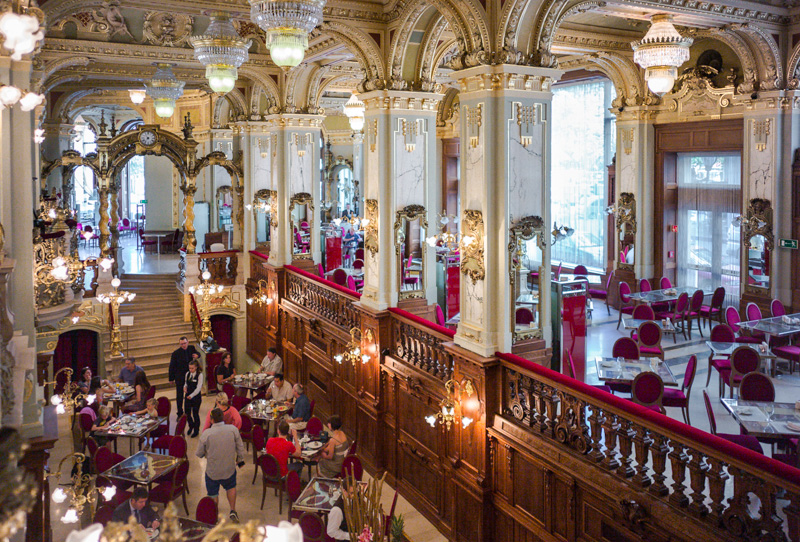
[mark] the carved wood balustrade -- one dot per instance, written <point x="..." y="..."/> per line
<point x="322" y="298"/>
<point x="222" y="266"/>
<point x="420" y="345"/>
<point x="616" y="437"/>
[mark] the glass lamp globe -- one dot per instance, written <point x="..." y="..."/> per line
<point x="287" y="47"/>
<point x="115" y="282"/>
<point x="137" y="95"/>
<point x="164" y="108"/>
<point x="206" y="275"/>
<point x="661" y="79"/>
<point x="30" y="101"/>
<point x="221" y="79"/>
<point x="356" y="123"/>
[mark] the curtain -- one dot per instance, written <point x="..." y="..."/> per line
<point x="222" y="327"/>
<point x="75" y="349"/>
<point x="709" y="198"/>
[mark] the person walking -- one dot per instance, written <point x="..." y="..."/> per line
<point x="178" y="367"/>
<point x="194" y="398"/>
<point x="222" y="446"/>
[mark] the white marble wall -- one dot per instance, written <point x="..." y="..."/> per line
<point x="409" y="167"/>
<point x="525" y="166"/>
<point x="262" y="166"/>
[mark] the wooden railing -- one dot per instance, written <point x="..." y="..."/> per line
<point x="420" y="343"/>
<point x="633" y="444"/>
<point x="323" y="298"/>
<point x="222" y="266"/>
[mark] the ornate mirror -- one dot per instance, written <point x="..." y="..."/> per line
<point x="224" y="203"/>
<point x="526" y="244"/>
<point x="301" y="208"/>
<point x="265" y="214"/>
<point x="758" y="244"/>
<point x="626" y="230"/>
<point x="409" y="241"/>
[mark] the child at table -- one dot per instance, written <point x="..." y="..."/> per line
<point x="104" y="419"/>
<point x="151" y="409"/>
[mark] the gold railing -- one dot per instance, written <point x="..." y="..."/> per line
<point x="633" y="445"/>
<point x="324" y="299"/>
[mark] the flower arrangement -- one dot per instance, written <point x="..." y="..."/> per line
<point x="366" y="535"/>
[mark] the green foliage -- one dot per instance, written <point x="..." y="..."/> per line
<point x="397" y="528"/>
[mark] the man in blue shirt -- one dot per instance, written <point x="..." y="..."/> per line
<point x="302" y="409"/>
<point x="128" y="372"/>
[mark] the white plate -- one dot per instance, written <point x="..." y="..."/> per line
<point x="791" y="426"/>
<point x="314" y="445"/>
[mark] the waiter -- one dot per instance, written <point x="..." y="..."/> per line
<point x="178" y="367"/>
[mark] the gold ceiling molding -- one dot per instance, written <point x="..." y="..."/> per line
<point x="167" y="28"/>
<point x="292" y="120"/>
<point x="399" y="100"/>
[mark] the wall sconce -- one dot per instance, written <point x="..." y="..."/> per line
<point x="455" y="394"/>
<point x="38" y="136"/>
<point x="561" y="232"/>
<point x="83" y="490"/>
<point x="471" y="246"/>
<point x="261" y="297"/>
<point x="353" y="351"/>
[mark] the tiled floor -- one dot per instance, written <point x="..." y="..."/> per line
<point x="248" y="499"/>
<point x="136" y="261"/>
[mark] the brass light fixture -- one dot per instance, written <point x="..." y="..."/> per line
<point x="21" y="26"/>
<point x="114" y="300"/>
<point x="455" y="395"/>
<point x="83" y="490"/>
<point x="445" y="238"/>
<point x="262" y="295"/>
<point x="68" y="399"/>
<point x="561" y="232"/>
<point x="354" y="351"/>
<point x="221" y="50"/>
<point x="206" y="290"/>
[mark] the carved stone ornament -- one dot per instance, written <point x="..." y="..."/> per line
<point x="472" y="261"/>
<point x="167" y="29"/>
<point x="525" y="229"/>
<point x="371" y="231"/>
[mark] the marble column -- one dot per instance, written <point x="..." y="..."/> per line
<point x="294" y="147"/>
<point x="505" y="176"/>
<point x="635" y="174"/>
<point x="358" y="169"/>
<point x="399" y="170"/>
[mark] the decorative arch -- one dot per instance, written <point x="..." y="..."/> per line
<point x="793" y="69"/>
<point x="744" y="52"/>
<point x="62" y="63"/>
<point x="366" y="50"/>
<point x="324" y="85"/>
<point x="548" y="21"/>
<point x="313" y="90"/>
<point x="267" y="83"/>
<point x="766" y="50"/>
<point x="445" y="109"/>
<point x="236" y="104"/>
<point x="425" y="68"/>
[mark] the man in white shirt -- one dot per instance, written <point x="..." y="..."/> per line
<point x="280" y="390"/>
<point x="272" y="363"/>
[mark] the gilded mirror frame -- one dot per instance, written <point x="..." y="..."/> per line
<point x="757" y="221"/>
<point x="227" y="189"/>
<point x="302" y="198"/>
<point x="626" y="216"/>
<point x="409" y="213"/>
<point x="525" y="229"/>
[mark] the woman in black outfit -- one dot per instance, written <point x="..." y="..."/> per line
<point x="193" y="397"/>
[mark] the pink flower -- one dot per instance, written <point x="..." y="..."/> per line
<point x="366" y="535"/>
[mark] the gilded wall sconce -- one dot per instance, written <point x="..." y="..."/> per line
<point x="472" y="261"/>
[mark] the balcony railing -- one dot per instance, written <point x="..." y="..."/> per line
<point x="420" y="343"/>
<point x="323" y="298"/>
<point x="634" y="444"/>
<point x="222" y="266"/>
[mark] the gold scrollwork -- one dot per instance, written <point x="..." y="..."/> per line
<point x="409" y="213"/>
<point x="757" y="222"/>
<point x="301" y="198"/>
<point x="626" y="227"/>
<point x="371" y="230"/>
<point x="525" y="229"/>
<point x="472" y="262"/>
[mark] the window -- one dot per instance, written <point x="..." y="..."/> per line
<point x="134" y="171"/>
<point x="584" y="138"/>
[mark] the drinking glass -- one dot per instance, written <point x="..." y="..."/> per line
<point x="769" y="410"/>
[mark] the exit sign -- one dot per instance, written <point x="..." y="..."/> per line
<point x="145" y="201"/>
<point x="788" y="243"/>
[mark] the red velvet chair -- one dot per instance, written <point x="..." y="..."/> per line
<point x="103" y="514"/>
<point x="523" y="316"/>
<point x="352" y="464"/>
<point x="626" y="306"/>
<point x="572" y="373"/>
<point x="144" y="242"/>
<point x="207" y="511"/>
<point x="744" y="360"/>
<point x="757" y="387"/>
<point x="321" y="270"/>
<point x="293" y="490"/>
<point x="720" y="333"/>
<point x="246" y="430"/>
<point x="439" y="315"/>
<point x="167" y="491"/>
<point x="665" y="284"/>
<point x="680" y="398"/>
<point x="164" y="409"/>
<point x="86" y="423"/>
<point x="603" y="294"/>
<point x="314" y="426"/>
<point x="649" y="340"/>
<point x="259" y="446"/>
<point x="238" y="402"/>
<point x="580" y="270"/>
<point x="732" y="320"/>
<point x="558" y="270"/>
<point x="776" y="308"/>
<point x="644" y="286"/>
<point x="753" y="312"/>
<point x="643" y="312"/>
<point x="790" y="353"/>
<point x="387" y="520"/>
<point x="407" y="278"/>
<point x="746" y="441"/>
<point x="162" y="442"/>
<point x="271" y="477"/>
<point x="694" y="313"/>
<point x="648" y="390"/>
<point x="792" y="453"/>
<point x="340" y="277"/>
<point x="313" y="527"/>
<point x="229" y="390"/>
<point x="351" y="283"/>
<point x="353" y="448"/>
<point x="713" y="312"/>
<point x="678" y="314"/>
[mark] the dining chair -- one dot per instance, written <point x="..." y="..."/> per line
<point x="387" y="520"/>
<point x="648" y="390"/>
<point x="677" y="314"/>
<point x="665" y="284"/>
<point x="259" y="446"/>
<point x="694" y="314"/>
<point x="145" y="242"/>
<point x="103" y="514"/>
<point x="743" y="360"/>
<point x="167" y="491"/>
<point x="720" y="333"/>
<point x="246" y="430"/>
<point x="680" y="398"/>
<point x="321" y="270"/>
<point x="753" y="312"/>
<point x="439" y="315"/>
<point x="643" y="312"/>
<point x="313" y="527"/>
<point x="713" y="312"/>
<point x="352" y="465"/>
<point x="239" y="402"/>
<point x="792" y="454"/>
<point x="627" y="348"/>
<point x="732" y="320"/>
<point x="523" y="316"/>
<point x="596" y="293"/>
<point x="776" y="308"/>
<point x="407" y="278"/>
<point x="340" y="277"/>
<point x="314" y="426"/>
<point x="573" y="374"/>
<point x="790" y="353"/>
<point x="580" y="270"/>
<point x="229" y="390"/>
<point x="351" y="283"/>
<point x="649" y="340"/>
<point x="353" y="447"/>
<point x="164" y="409"/>
<point x="757" y="387"/>
<point x="206" y="511"/>
<point x="104" y="459"/>
<point x="558" y="270"/>
<point x="85" y="421"/>
<point x="271" y="477"/>
<point x="151" y="392"/>
<point x="644" y="285"/>
<point x="747" y="441"/>
<point x="358" y="264"/>
<point x="625" y="303"/>
<point x="92" y="447"/>
<point x="162" y="442"/>
<point x="293" y="490"/>
<point x="360" y="254"/>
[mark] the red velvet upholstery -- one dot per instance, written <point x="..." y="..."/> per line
<point x="229" y="390"/>
<point x="352" y="464"/>
<point x="724" y="334"/>
<point x="313" y="527"/>
<point x="757" y="387"/>
<point x="644" y="312"/>
<point x="678" y="314"/>
<point x="680" y="398"/>
<point x="168" y="491"/>
<point x="753" y="312"/>
<point x="353" y="447"/>
<point x="523" y="316"/>
<point x="777" y="308"/>
<point x="259" y="446"/>
<point x="732" y="319"/>
<point x="603" y="294"/>
<point x="644" y="286"/>
<point x="694" y="313"/>
<point x="746" y="441"/>
<point x="649" y="340"/>
<point x="206" y="511"/>
<point x="340" y="277"/>
<point x="271" y="477"/>
<point x="743" y="360"/>
<point x="238" y="402"/>
<point x="293" y="489"/>
<point x="246" y="430"/>
<point x="314" y="426"/>
<point x="666" y="284"/>
<point x="439" y="315"/>
<point x="103" y="514"/>
<point x="713" y="312"/>
<point x="647" y="390"/>
<point x="790" y="353"/>
<point x="580" y="270"/>
<point x="625" y="347"/>
<point x="321" y="270"/>
<point x="388" y="519"/>
<point x="688" y="432"/>
<point x="162" y="442"/>
<point x="625" y="306"/>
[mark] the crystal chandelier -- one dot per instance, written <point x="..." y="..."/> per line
<point x="70" y="397"/>
<point x="164" y="88"/>
<point x="287" y="24"/>
<point x="221" y="50"/>
<point x="445" y="238"/>
<point x="660" y="52"/>
<point x="354" y="111"/>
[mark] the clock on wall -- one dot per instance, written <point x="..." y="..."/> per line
<point x="147" y="138"/>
